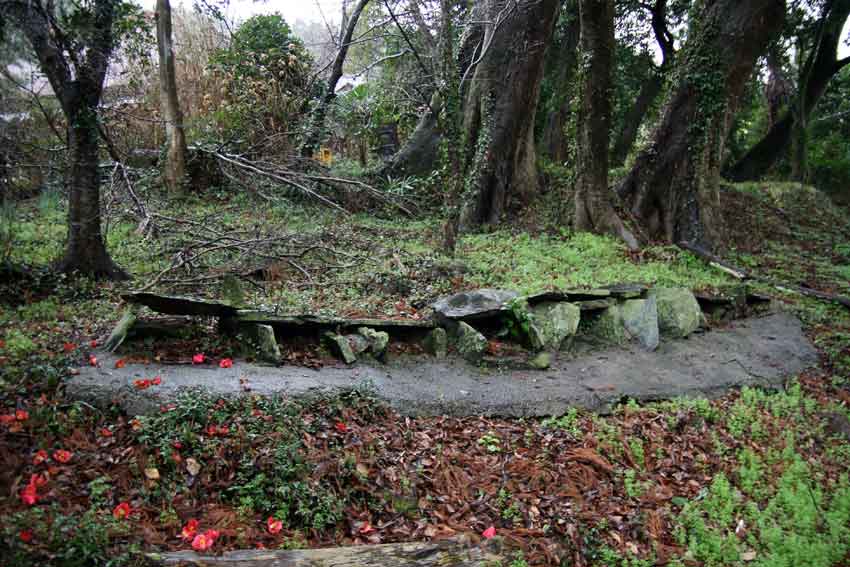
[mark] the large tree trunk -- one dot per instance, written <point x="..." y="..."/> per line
<point x="673" y="188"/>
<point x="651" y="88"/>
<point x="85" y="251"/>
<point x="819" y="68"/>
<point x="594" y="210"/>
<point x="561" y="62"/>
<point x="346" y="33"/>
<point x="507" y="40"/>
<point x="175" y="158"/>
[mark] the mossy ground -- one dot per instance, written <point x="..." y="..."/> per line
<point x="751" y="478"/>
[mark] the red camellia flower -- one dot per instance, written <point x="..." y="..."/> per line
<point x="190" y="529"/>
<point x="489" y="533"/>
<point x="26" y="536"/>
<point x="92" y="360"/>
<point x="40" y="457"/>
<point x="69" y="347"/>
<point x="142" y="383"/>
<point x="7" y="418"/>
<point x="120" y="363"/>
<point x="29" y="495"/>
<point x="198" y="358"/>
<point x="93" y="343"/>
<point x="105" y="432"/>
<point x="274" y="526"/>
<point x="225" y="363"/>
<point x="22" y="415"/>
<point x="341" y="427"/>
<point x="204" y="541"/>
<point x="157" y="380"/>
<point x="121" y="511"/>
<point x="62" y="455"/>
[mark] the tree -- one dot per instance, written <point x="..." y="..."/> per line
<point x="502" y="55"/>
<point x="559" y="76"/>
<point x="349" y="24"/>
<point x="821" y="65"/>
<point x="73" y="49"/>
<point x="175" y="159"/>
<point x="673" y="187"/>
<point x="594" y="209"/>
<point x="651" y="87"/>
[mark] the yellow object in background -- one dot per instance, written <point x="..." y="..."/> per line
<point x="324" y="155"/>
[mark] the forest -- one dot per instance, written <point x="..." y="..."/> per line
<point x="425" y="282"/>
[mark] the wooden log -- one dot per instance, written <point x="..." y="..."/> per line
<point x="447" y="553"/>
<point x="740" y="274"/>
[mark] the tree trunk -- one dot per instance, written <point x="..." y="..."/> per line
<point x="420" y="152"/>
<point x="85" y="251"/>
<point x="594" y="210"/>
<point x="77" y="79"/>
<point x="650" y="89"/>
<point x="561" y="63"/>
<point x="778" y="91"/>
<point x="175" y="159"/>
<point x="507" y="40"/>
<point x="821" y="65"/>
<point x="673" y="188"/>
<point x="346" y="33"/>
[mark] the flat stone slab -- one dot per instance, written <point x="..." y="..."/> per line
<point x="180" y="305"/>
<point x="322" y="322"/>
<point x="754" y="352"/>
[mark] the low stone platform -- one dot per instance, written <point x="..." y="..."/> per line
<point x="761" y="351"/>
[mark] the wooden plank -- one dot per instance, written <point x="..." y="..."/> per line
<point x="446" y="553"/>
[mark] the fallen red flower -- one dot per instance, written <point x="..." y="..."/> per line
<point x="142" y="383"/>
<point x="22" y="415"/>
<point x="62" y="455"/>
<point x="157" y="381"/>
<point x="341" y="427"/>
<point x="489" y="533"/>
<point x="225" y="363"/>
<point x="105" y="432"/>
<point x="119" y="363"/>
<point x="26" y="536"/>
<point x="204" y="541"/>
<point x="121" y="511"/>
<point x="198" y="358"/>
<point x="69" y="347"/>
<point x="190" y="529"/>
<point x="7" y="418"/>
<point x="92" y="360"/>
<point x="274" y="526"/>
<point x="40" y="456"/>
<point x="29" y="495"/>
<point x="93" y="343"/>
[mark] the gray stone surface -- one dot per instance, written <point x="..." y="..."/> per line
<point x="378" y="340"/>
<point x="679" y="313"/>
<point x="607" y="326"/>
<point x="640" y="319"/>
<point x="341" y="348"/>
<point x="754" y="352"/>
<point x="551" y="323"/>
<point x="262" y="337"/>
<point x="470" y="343"/>
<point x="473" y="305"/>
<point x="436" y="343"/>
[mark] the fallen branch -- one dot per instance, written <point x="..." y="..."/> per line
<point x="742" y="275"/>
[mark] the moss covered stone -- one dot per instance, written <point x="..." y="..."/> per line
<point x="679" y="313"/>
<point x="551" y="323"/>
<point x="470" y="343"/>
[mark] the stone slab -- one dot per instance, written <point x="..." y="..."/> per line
<point x="753" y="352"/>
